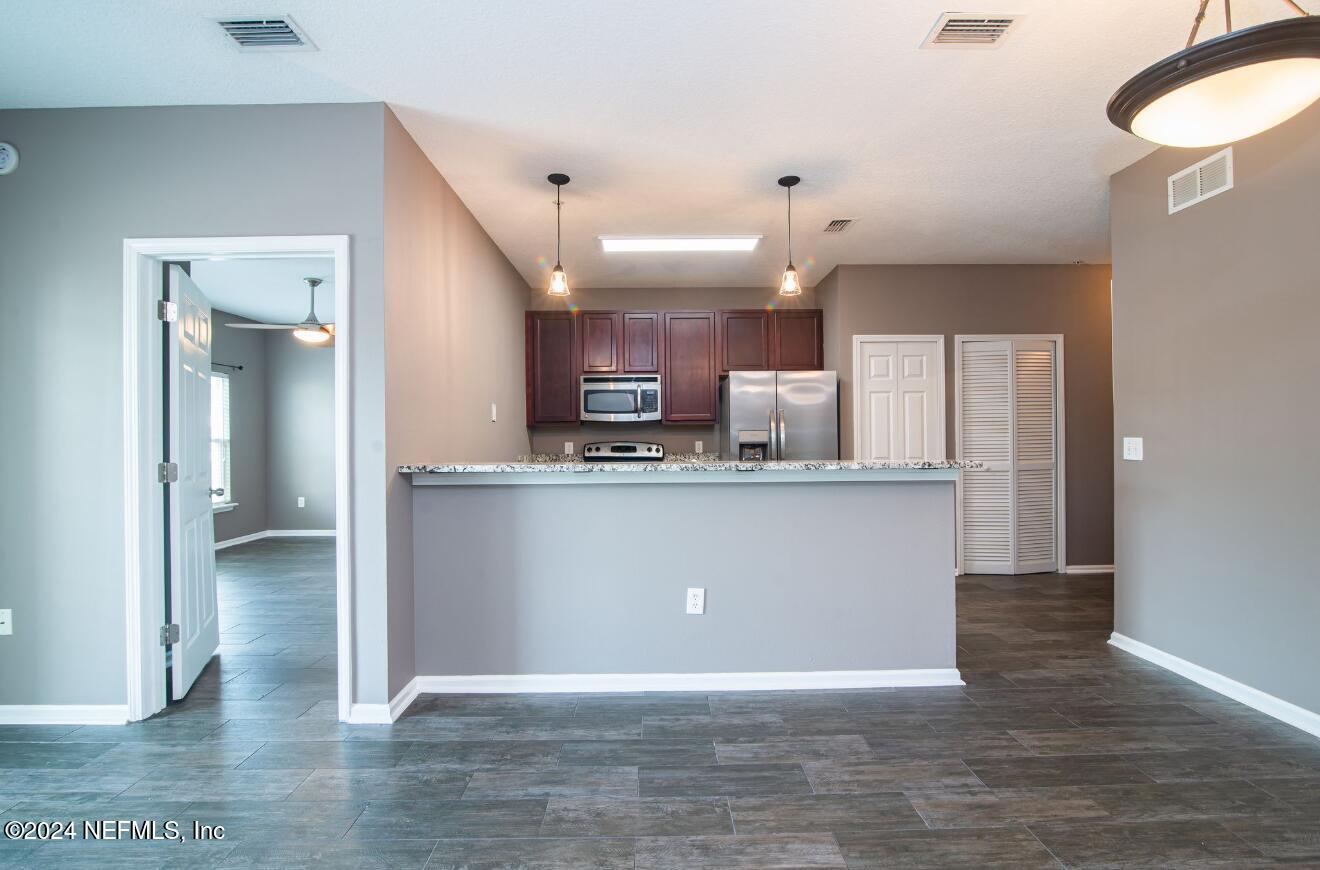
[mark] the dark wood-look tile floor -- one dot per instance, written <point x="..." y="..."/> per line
<point x="1059" y="751"/>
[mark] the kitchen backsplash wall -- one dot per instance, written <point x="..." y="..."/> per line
<point x="676" y="439"/>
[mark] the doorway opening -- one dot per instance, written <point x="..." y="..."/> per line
<point x="235" y="422"/>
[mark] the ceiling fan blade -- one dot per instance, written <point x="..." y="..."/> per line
<point x="261" y="325"/>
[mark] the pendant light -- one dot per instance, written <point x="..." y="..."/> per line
<point x="311" y="330"/>
<point x="790" y="284"/>
<point x="558" y="278"/>
<point x="1226" y="88"/>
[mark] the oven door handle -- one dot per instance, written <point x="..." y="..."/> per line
<point x="639" y="401"/>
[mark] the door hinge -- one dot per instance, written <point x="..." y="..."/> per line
<point x="169" y="634"/>
<point x="167" y="311"/>
<point x="167" y="472"/>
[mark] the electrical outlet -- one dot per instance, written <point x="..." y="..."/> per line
<point x="1133" y="450"/>
<point x="494" y="412"/>
<point x="698" y="447"/>
<point x="568" y="448"/>
<point x="302" y="501"/>
<point x="6" y="621"/>
<point x="696" y="601"/>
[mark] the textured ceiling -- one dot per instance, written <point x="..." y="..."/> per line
<point x="268" y="290"/>
<point x="678" y="116"/>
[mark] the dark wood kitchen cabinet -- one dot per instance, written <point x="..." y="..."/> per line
<point x="641" y="341"/>
<point x="690" y="368"/>
<point x="600" y="340"/>
<point x="552" y="367"/>
<point x="744" y="340"/>
<point x="798" y="340"/>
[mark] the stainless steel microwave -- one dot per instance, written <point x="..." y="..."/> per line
<point x="620" y="398"/>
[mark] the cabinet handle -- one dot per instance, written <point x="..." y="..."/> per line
<point x="783" y="435"/>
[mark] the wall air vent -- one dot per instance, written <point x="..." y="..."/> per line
<point x="266" y="33"/>
<point x="1200" y="181"/>
<point x="970" y="30"/>
<point x="838" y="225"/>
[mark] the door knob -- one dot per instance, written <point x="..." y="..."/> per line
<point x="217" y="492"/>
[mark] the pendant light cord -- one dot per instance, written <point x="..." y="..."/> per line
<point x="1228" y="17"/>
<point x="790" y="224"/>
<point x="1196" y="24"/>
<point x="558" y="205"/>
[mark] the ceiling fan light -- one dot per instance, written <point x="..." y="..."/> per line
<point x="1224" y="89"/>
<point x="312" y="335"/>
<point x="558" y="282"/>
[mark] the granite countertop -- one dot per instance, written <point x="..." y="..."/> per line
<point x="575" y="465"/>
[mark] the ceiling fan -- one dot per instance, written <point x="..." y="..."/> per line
<point x="310" y="330"/>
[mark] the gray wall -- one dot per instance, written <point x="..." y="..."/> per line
<point x="1215" y="317"/>
<point x="300" y="433"/>
<point x="551" y="438"/>
<point x="454" y="304"/>
<point x="505" y="587"/>
<point x="89" y="179"/>
<point x="247" y="424"/>
<point x="984" y="300"/>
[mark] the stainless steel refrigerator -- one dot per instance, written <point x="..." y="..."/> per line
<point x="779" y="416"/>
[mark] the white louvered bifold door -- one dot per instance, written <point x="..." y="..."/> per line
<point x="1008" y="510"/>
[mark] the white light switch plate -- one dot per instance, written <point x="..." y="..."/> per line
<point x="302" y="501"/>
<point x="696" y="601"/>
<point x="494" y="412"/>
<point x="698" y="447"/>
<point x="568" y="447"/>
<point x="6" y="621"/>
<point x="1132" y="449"/>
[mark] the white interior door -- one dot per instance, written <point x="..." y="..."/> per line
<point x="193" y="602"/>
<point x="898" y="397"/>
<point x="1008" y="420"/>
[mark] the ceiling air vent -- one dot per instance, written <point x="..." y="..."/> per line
<point x="970" y="30"/>
<point x="266" y="33"/>
<point x="1200" y="181"/>
<point x="838" y="225"/>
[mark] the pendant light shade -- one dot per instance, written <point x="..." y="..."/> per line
<point x="1227" y="88"/>
<point x="558" y="277"/>
<point x="790" y="284"/>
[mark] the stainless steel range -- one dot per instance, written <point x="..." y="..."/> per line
<point x="623" y="451"/>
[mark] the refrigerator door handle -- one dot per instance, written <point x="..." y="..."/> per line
<point x="783" y="435"/>
<point x="771" y="448"/>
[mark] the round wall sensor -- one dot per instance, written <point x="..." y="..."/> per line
<point x="8" y="158"/>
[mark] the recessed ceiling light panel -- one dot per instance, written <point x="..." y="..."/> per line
<point x="676" y="244"/>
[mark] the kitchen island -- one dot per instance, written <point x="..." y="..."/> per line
<point x="572" y="576"/>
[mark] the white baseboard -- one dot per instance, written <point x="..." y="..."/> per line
<point x="241" y="539"/>
<point x="275" y="533"/>
<point x="63" y="714"/>
<point x="732" y="682"/>
<point x="1270" y="705"/>
<point x="1088" y="569"/>
<point x="384" y="714"/>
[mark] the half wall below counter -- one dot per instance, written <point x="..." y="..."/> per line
<point x="822" y="575"/>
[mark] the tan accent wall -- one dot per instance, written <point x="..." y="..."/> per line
<point x="1216" y="310"/>
<point x="453" y="345"/>
<point x="990" y="300"/>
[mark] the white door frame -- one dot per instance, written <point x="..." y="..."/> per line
<point x="144" y="577"/>
<point x="938" y="341"/>
<point x="1061" y="504"/>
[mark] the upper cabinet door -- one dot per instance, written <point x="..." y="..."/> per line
<point x="600" y="341"/>
<point x="744" y="340"/>
<point x="641" y="341"/>
<point x="552" y="367"/>
<point x="799" y="340"/>
<point x="691" y="375"/>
